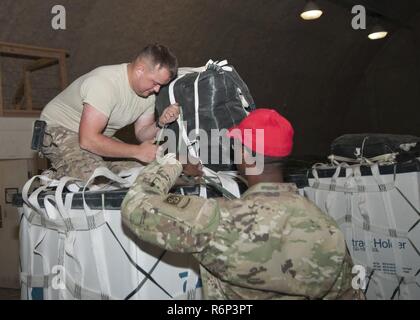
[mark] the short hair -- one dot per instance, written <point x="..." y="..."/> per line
<point x="158" y="54"/>
<point x="280" y="161"/>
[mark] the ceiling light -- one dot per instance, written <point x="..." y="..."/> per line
<point x="377" y="32"/>
<point x="311" y="11"/>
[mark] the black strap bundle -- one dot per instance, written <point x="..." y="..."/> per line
<point x="224" y="100"/>
<point x="370" y="145"/>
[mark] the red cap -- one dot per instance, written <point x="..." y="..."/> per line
<point x="274" y="140"/>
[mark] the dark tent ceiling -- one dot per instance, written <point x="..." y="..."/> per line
<point x="398" y="13"/>
<point x="326" y="77"/>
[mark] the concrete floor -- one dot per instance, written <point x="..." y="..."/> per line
<point x="9" y="294"/>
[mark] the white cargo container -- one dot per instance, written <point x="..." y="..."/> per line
<point x="378" y="210"/>
<point x="72" y="251"/>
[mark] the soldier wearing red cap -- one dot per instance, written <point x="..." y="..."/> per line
<point x="276" y="138"/>
<point x="271" y="243"/>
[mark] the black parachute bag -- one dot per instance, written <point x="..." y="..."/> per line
<point x="224" y="101"/>
<point x="371" y="145"/>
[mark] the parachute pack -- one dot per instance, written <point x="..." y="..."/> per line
<point x="211" y="97"/>
<point x="369" y="148"/>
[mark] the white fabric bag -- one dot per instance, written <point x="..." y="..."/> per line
<point x="80" y="253"/>
<point x="379" y="215"/>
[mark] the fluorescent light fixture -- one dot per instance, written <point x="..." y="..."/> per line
<point x="311" y="11"/>
<point x="377" y="32"/>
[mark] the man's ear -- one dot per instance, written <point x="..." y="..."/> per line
<point x="140" y="68"/>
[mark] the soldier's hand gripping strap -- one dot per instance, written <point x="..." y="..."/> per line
<point x="173" y="222"/>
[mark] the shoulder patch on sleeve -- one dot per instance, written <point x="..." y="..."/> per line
<point x="175" y="200"/>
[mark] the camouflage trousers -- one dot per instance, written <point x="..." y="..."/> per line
<point x="61" y="147"/>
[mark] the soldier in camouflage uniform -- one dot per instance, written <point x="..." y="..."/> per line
<point x="84" y="117"/>
<point x="270" y="244"/>
<point x="61" y="147"/>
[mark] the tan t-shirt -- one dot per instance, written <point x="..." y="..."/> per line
<point x="107" y="89"/>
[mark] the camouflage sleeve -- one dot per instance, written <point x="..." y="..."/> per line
<point x="173" y="222"/>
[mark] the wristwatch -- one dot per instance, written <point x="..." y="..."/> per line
<point x="158" y="125"/>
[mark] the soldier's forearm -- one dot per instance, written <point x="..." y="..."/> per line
<point x="147" y="133"/>
<point x="168" y="221"/>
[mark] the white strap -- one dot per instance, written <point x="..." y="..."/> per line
<point x="203" y="191"/>
<point x="229" y="184"/>
<point x="25" y="191"/>
<point x="78" y="223"/>
<point x="226" y="181"/>
<point x="67" y="251"/>
<point x="196" y="108"/>
<point x="33" y="209"/>
<point x="222" y="64"/>
<point x="35" y="238"/>
<point x="36" y="281"/>
<point x="99" y="252"/>
<point x="387" y="158"/>
<point x="96" y="240"/>
<point x="59" y="195"/>
<point x="101" y="172"/>
<point x="172" y="99"/>
<point x="386" y="197"/>
<point x="186" y="70"/>
<point x="54" y="220"/>
<point x="34" y="204"/>
<point x="50" y="208"/>
<point x="67" y="239"/>
<point x="365" y="225"/>
<point x="182" y="130"/>
<point x="49" y="218"/>
<point x="193" y="149"/>
<point x="183" y="134"/>
<point x="317" y="184"/>
<point x="73" y="287"/>
<point x="331" y="195"/>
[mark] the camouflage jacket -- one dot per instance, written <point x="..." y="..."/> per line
<point x="270" y="244"/>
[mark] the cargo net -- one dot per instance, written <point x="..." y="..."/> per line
<point x="74" y="250"/>
<point x="379" y="215"/>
